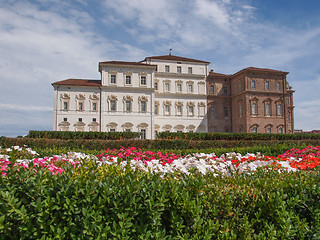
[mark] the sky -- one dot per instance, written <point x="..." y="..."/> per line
<point x="44" y="41"/>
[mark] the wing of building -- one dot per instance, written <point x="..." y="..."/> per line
<point x="174" y="94"/>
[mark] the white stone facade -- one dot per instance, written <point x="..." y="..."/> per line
<point x="161" y="93"/>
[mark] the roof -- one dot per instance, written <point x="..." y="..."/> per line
<point x="260" y="70"/>
<point x="79" y="82"/>
<point x="174" y="58"/>
<point x="125" y="63"/>
<point x="215" y="74"/>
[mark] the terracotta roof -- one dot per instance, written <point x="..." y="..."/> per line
<point x="215" y="74"/>
<point x="79" y="82"/>
<point x="260" y="70"/>
<point x="174" y="58"/>
<point x="126" y="63"/>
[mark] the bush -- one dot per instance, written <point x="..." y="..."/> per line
<point x="236" y="136"/>
<point x="82" y="135"/>
<point x="107" y="202"/>
<point x="271" y="147"/>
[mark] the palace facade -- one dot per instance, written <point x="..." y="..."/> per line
<point x="174" y="94"/>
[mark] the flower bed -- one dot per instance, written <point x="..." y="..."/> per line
<point x="135" y="194"/>
<point x="163" y="163"/>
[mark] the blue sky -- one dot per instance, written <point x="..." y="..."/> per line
<point x="43" y="41"/>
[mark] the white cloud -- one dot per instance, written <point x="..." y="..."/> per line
<point x="16" y="107"/>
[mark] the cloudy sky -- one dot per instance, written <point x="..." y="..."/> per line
<point x="43" y="41"/>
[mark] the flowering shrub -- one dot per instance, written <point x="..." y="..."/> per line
<point x="135" y="194"/>
<point x="163" y="163"/>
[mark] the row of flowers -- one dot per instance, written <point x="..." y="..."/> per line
<point x="163" y="163"/>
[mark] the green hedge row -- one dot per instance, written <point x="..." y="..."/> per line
<point x="236" y="136"/>
<point x="106" y="203"/>
<point x="161" y="144"/>
<point x="82" y="135"/>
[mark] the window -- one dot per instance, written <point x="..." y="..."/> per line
<point x="179" y="69"/>
<point x="167" y="87"/>
<point x="179" y="110"/>
<point x="280" y="130"/>
<point x="254" y="129"/>
<point x="80" y="119"/>
<point x="128" y="130"/>
<point x="156" y="109"/>
<point x="112" y="130"/>
<point x="80" y="106"/>
<point x="254" y="108"/>
<point x="225" y="90"/>
<point x="94" y="119"/>
<point x="179" y="87"/>
<point x="268" y="129"/>
<point x="167" y="68"/>
<point x="268" y="109"/>
<point x="167" y="110"/>
<point x="191" y="110"/>
<point x="94" y="106"/>
<point x="240" y="110"/>
<point x="190" y="88"/>
<point x="65" y="119"/>
<point x="143" y="106"/>
<point x="226" y="112"/>
<point x="113" y="79"/>
<point x="239" y="86"/>
<point x="65" y="105"/>
<point x="279" y="109"/>
<point x="278" y="86"/>
<point x="128" y="80"/>
<point x="267" y="85"/>
<point x="190" y="70"/>
<point x="156" y="85"/>
<point x="211" y="89"/>
<point x="143" y="80"/>
<point x="143" y="134"/>
<point x="212" y="111"/>
<point x="253" y="84"/>
<point x="128" y="105"/>
<point x="113" y="105"/>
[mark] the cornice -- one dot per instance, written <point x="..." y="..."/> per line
<point x="128" y="88"/>
<point x="180" y="75"/>
<point x="181" y="95"/>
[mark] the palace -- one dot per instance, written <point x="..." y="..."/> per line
<point x="174" y="94"/>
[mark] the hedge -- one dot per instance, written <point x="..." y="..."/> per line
<point x="160" y="144"/>
<point x="108" y="203"/>
<point x="82" y="135"/>
<point x="237" y="136"/>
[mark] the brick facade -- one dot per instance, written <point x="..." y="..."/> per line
<point x="251" y="100"/>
